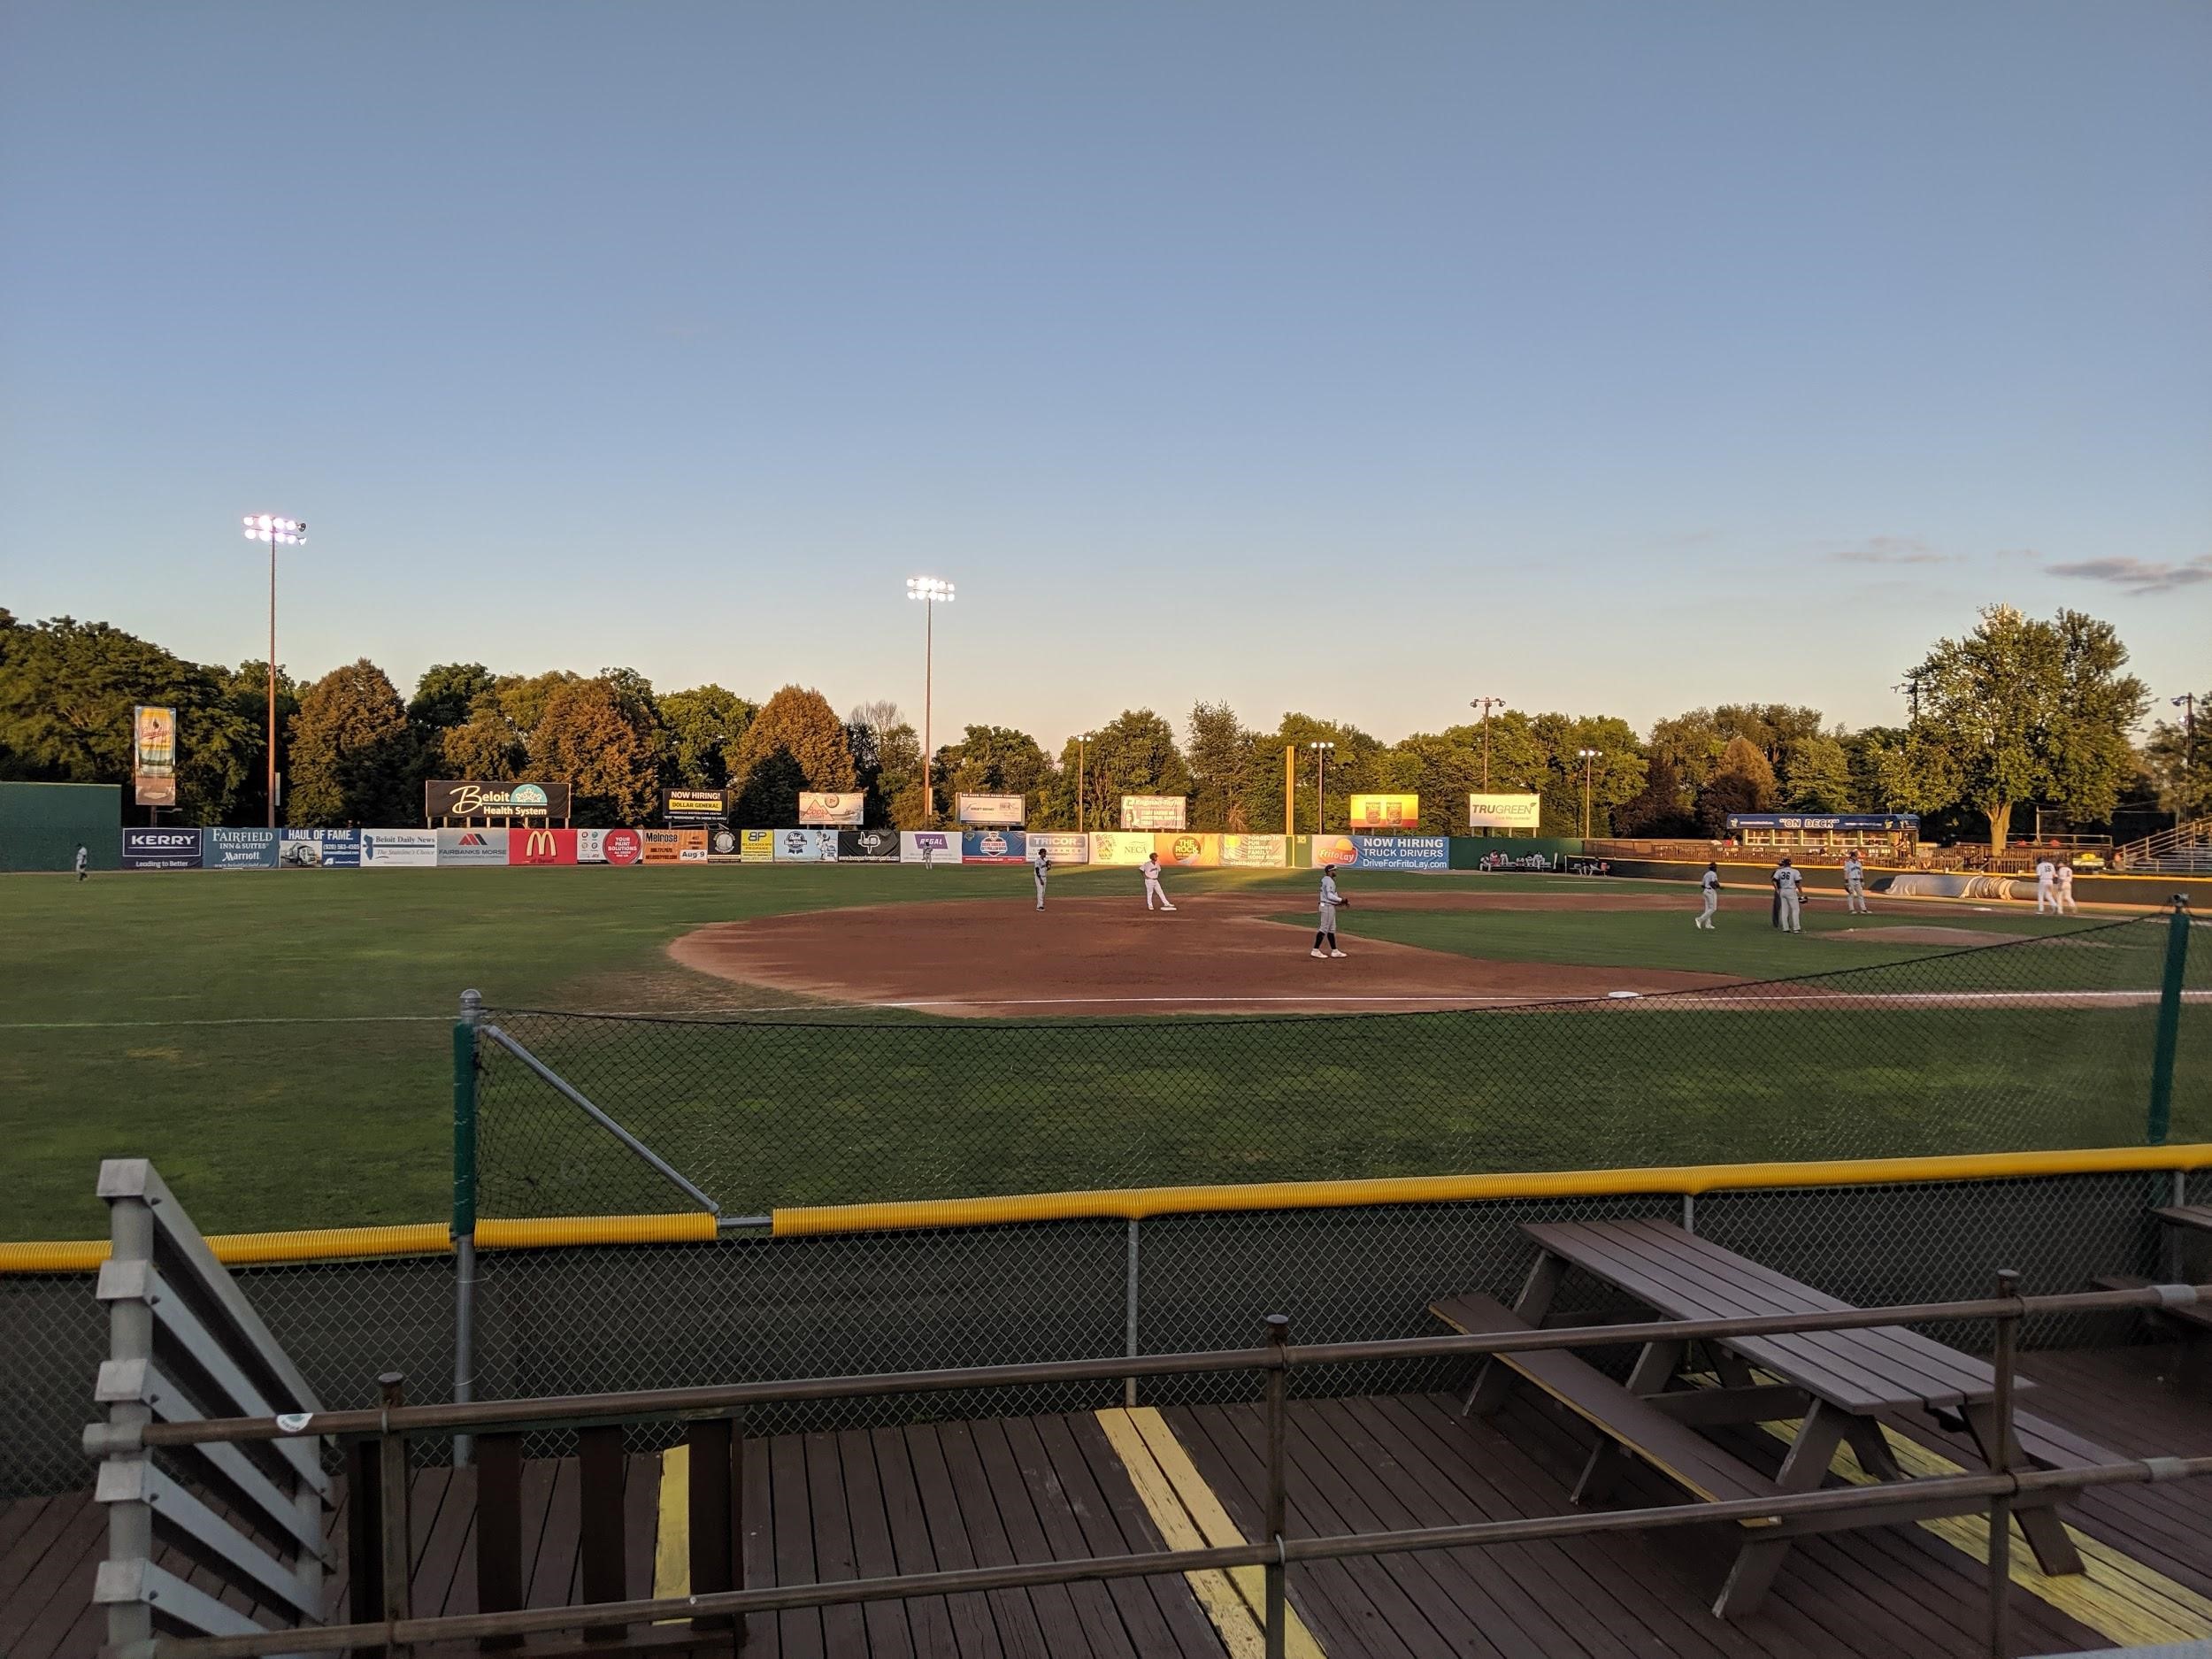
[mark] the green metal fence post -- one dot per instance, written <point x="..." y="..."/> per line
<point x="464" y="1212"/>
<point x="2168" y="1037"/>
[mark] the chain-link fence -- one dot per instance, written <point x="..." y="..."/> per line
<point x="745" y="1309"/>
<point x="2030" y="1044"/>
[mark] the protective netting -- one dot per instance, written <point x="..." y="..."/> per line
<point x="2030" y="1044"/>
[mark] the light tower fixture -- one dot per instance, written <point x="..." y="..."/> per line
<point x="1322" y="748"/>
<point x="1588" y="755"/>
<point x="932" y="591"/>
<point x="1485" y="704"/>
<point x="263" y="527"/>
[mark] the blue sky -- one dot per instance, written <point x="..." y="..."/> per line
<point x="1361" y="360"/>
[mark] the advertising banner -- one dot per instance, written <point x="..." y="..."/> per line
<point x="238" y="849"/>
<point x="1385" y="811"/>
<point x="1154" y="811"/>
<point x="867" y="847"/>
<point x="672" y="846"/>
<point x="319" y="848"/>
<point x="541" y="845"/>
<point x="993" y="847"/>
<point x="691" y="846"/>
<point x="473" y="846"/>
<point x="722" y="839"/>
<point x="1060" y="849"/>
<point x="398" y="848"/>
<point x="445" y="798"/>
<point x="756" y="847"/>
<point x="696" y="806"/>
<point x="161" y="849"/>
<point x="835" y="810"/>
<point x="929" y="846"/>
<point x="1505" y="811"/>
<point x="1197" y="850"/>
<point x="800" y="846"/>
<point x="1120" y="847"/>
<point x="1256" y="852"/>
<point x="1879" y="822"/>
<point x="1003" y="811"/>
<point x="607" y="846"/>
<point x="154" y="755"/>
<point x="1331" y="849"/>
<point x="1403" y="852"/>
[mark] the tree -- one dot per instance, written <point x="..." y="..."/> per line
<point x="2021" y="710"/>
<point x="703" y="726"/>
<point x="1616" y="774"/>
<point x="353" y="758"/>
<point x="1134" y="753"/>
<point x="887" y="763"/>
<point x="598" y="736"/>
<point x="485" y="747"/>
<point x="245" y="689"/>
<point x="2178" y="760"/>
<point x="796" y="742"/>
<point x="1743" y="781"/>
<point x="1816" y="774"/>
<point x="1220" y="758"/>
<point x="1654" y="811"/>
<point x="522" y="697"/>
<point x="446" y="696"/>
<point x="992" y="760"/>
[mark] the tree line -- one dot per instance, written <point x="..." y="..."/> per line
<point x="2019" y="711"/>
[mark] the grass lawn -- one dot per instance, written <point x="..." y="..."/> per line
<point x="279" y="1045"/>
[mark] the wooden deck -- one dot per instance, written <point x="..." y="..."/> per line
<point x="865" y="1502"/>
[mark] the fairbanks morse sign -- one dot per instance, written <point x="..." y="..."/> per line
<point x="541" y="801"/>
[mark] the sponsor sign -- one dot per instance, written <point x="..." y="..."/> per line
<point x="800" y="846"/>
<point x="1004" y="811"/>
<point x="696" y="806"/>
<point x="1402" y="852"/>
<point x="1120" y="847"/>
<point x="319" y="848"/>
<point x="818" y="809"/>
<point x="1505" y="811"/>
<point x="722" y="841"/>
<point x="756" y="847"/>
<point x="1885" y="824"/>
<point x="238" y="849"/>
<point x="1385" y="811"/>
<point x="672" y="846"/>
<point x="1187" y="848"/>
<point x="161" y="849"/>
<point x="993" y="847"/>
<point x="1334" y="849"/>
<point x="608" y="846"/>
<point x="1154" y="811"/>
<point x="1060" y="849"/>
<point x="398" y="848"/>
<point x="867" y="846"/>
<point x="1260" y="852"/>
<point x="541" y="844"/>
<point x="445" y="798"/>
<point x="473" y="846"/>
<point x="154" y="755"/>
<point x="929" y="846"/>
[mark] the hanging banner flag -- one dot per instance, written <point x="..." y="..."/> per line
<point x="1001" y="812"/>
<point x="1385" y="811"/>
<point x="1505" y="811"/>
<point x="1154" y="811"/>
<point x="830" y="810"/>
<point x="154" y="755"/>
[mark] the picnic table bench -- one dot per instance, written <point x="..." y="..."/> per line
<point x="1834" y="1383"/>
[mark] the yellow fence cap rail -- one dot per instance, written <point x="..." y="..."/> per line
<point x="344" y="1244"/>
<point x="691" y="1228"/>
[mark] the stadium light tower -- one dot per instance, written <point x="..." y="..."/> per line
<point x="1588" y="755"/>
<point x="2187" y="703"/>
<point x="261" y="527"/>
<point x="1321" y="747"/>
<point x="1485" y="704"/>
<point x="932" y="592"/>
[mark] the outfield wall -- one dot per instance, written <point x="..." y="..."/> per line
<point x="41" y="825"/>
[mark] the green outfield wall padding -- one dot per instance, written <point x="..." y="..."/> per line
<point x="41" y="824"/>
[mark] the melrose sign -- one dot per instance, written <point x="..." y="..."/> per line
<point x="540" y="801"/>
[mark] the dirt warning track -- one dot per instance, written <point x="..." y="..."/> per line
<point x="1216" y="954"/>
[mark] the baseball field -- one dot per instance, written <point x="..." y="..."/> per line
<point x="280" y="1044"/>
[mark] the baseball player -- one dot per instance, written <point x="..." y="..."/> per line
<point x="2066" y="890"/>
<point x="1855" y="884"/>
<point x="2045" y="884"/>
<point x="1712" y="897"/>
<point x="1789" y="892"/>
<point x="1041" y="868"/>
<point x="1152" y="889"/>
<point x="1325" y="936"/>
<point x="84" y="862"/>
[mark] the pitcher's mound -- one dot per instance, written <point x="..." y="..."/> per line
<point x="1216" y="954"/>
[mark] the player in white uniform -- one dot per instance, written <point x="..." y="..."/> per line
<point x="1789" y="886"/>
<point x="1152" y="889"/>
<point x="2066" y="890"/>
<point x="2046" y="885"/>
<point x="1712" y="897"/>
<point x="1042" y="869"/>
<point x="1855" y="884"/>
<point x="1325" y="935"/>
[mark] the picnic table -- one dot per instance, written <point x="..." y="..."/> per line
<point x="1834" y="1383"/>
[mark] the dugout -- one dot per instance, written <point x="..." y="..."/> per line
<point x="41" y="825"/>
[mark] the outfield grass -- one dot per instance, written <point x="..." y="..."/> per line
<point x="279" y="1045"/>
